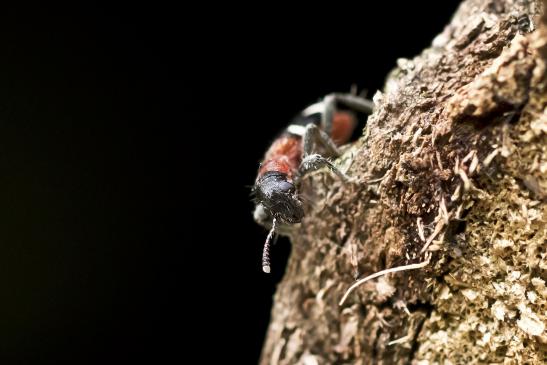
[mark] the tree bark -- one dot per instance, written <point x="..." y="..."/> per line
<point x="451" y="172"/>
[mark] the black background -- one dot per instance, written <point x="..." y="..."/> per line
<point x="129" y="139"/>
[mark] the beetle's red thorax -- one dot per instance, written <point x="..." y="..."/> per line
<point x="284" y="155"/>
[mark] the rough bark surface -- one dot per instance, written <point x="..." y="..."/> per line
<point x="452" y="167"/>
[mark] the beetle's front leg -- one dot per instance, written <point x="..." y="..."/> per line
<point x="314" y="139"/>
<point x="315" y="162"/>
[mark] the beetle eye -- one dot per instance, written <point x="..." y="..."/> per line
<point x="285" y="187"/>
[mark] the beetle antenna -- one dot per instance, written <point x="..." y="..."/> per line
<point x="266" y="251"/>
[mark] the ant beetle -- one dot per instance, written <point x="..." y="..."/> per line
<point x="305" y="145"/>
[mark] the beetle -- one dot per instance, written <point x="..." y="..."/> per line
<point x="312" y="137"/>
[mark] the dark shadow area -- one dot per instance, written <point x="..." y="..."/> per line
<point x="86" y="151"/>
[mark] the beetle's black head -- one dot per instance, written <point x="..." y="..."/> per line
<point x="278" y="196"/>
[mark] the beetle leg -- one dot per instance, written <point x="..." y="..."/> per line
<point x="315" y="162"/>
<point x="315" y="140"/>
<point x="353" y="102"/>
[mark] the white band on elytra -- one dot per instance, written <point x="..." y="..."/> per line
<point x="296" y="129"/>
<point x="314" y="109"/>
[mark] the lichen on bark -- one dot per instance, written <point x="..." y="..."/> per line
<point x="453" y="166"/>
